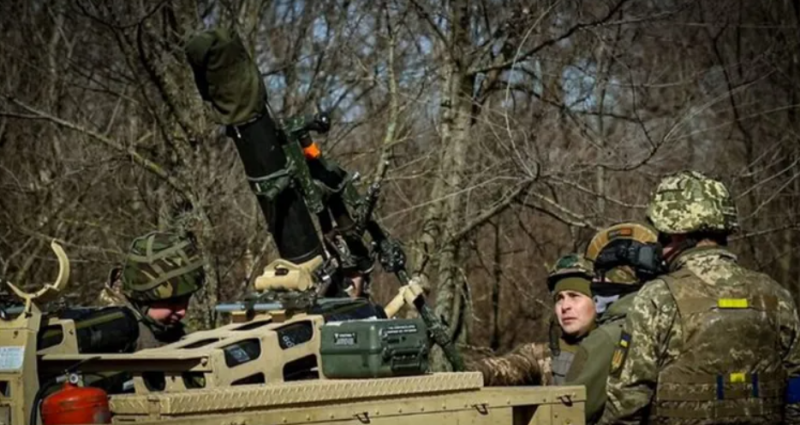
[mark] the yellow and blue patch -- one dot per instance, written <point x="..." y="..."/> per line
<point x="620" y="353"/>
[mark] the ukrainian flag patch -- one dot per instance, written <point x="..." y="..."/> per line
<point x="620" y="353"/>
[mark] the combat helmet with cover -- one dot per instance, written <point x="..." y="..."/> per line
<point x="626" y="253"/>
<point x="689" y="202"/>
<point x="573" y="271"/>
<point x="161" y="266"/>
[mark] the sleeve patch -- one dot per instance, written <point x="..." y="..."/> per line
<point x="620" y="354"/>
<point x="732" y="303"/>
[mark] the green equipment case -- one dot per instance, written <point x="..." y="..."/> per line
<point x="374" y="348"/>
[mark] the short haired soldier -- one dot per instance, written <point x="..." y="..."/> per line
<point x="569" y="281"/>
<point x="160" y="273"/>
<point x="710" y="341"/>
<point x="622" y="255"/>
<point x="579" y="351"/>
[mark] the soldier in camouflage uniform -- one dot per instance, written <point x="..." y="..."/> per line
<point x="157" y="280"/>
<point x="569" y="281"/>
<point x="580" y="359"/>
<point x="711" y="342"/>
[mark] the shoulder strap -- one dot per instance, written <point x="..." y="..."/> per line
<point x="612" y="330"/>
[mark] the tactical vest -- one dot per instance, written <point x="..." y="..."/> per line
<point x="729" y="369"/>
<point x="563" y="360"/>
<point x="561" y="365"/>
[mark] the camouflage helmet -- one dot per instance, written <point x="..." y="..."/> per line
<point x="611" y="237"/>
<point x="572" y="265"/>
<point x="688" y="202"/>
<point x="161" y="266"/>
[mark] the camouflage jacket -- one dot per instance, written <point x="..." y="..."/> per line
<point x="652" y="337"/>
<point x="531" y="364"/>
<point x="528" y="364"/>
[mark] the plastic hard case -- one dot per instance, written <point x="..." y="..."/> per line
<point x="374" y="348"/>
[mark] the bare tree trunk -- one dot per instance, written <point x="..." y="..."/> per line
<point x="497" y="276"/>
<point x="444" y="215"/>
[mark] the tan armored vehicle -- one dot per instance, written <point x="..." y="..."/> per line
<point x="264" y="367"/>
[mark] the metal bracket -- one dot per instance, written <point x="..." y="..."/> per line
<point x="363" y="417"/>
<point x="566" y="399"/>
<point x="482" y="408"/>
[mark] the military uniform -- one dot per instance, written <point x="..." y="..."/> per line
<point x="152" y="337"/>
<point x="584" y="361"/>
<point x="590" y="365"/>
<point x="528" y="364"/>
<point x="538" y="363"/>
<point x="710" y="342"/>
<point x="565" y="360"/>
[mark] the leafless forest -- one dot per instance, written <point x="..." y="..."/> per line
<point x="513" y="130"/>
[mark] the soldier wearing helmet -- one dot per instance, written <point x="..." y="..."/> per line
<point x="592" y="295"/>
<point x="579" y="351"/>
<point x="158" y="277"/>
<point x="710" y="341"/>
<point x="569" y="280"/>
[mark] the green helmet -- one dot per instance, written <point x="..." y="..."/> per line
<point x="160" y="266"/>
<point x="688" y="202"/>
<point x="572" y="265"/>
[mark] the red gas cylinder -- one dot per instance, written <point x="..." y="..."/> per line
<point x="76" y="405"/>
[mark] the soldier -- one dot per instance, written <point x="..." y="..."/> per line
<point x="582" y="357"/>
<point x="564" y="360"/>
<point x="711" y="341"/>
<point x="157" y="279"/>
<point x="569" y="281"/>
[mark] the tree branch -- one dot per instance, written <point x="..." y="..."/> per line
<point x="487" y="215"/>
<point x="394" y="104"/>
<point x="137" y="158"/>
<point x="577" y="220"/>
<point x="532" y="51"/>
<point x="428" y="18"/>
<point x="757" y="233"/>
<point x="588" y="191"/>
